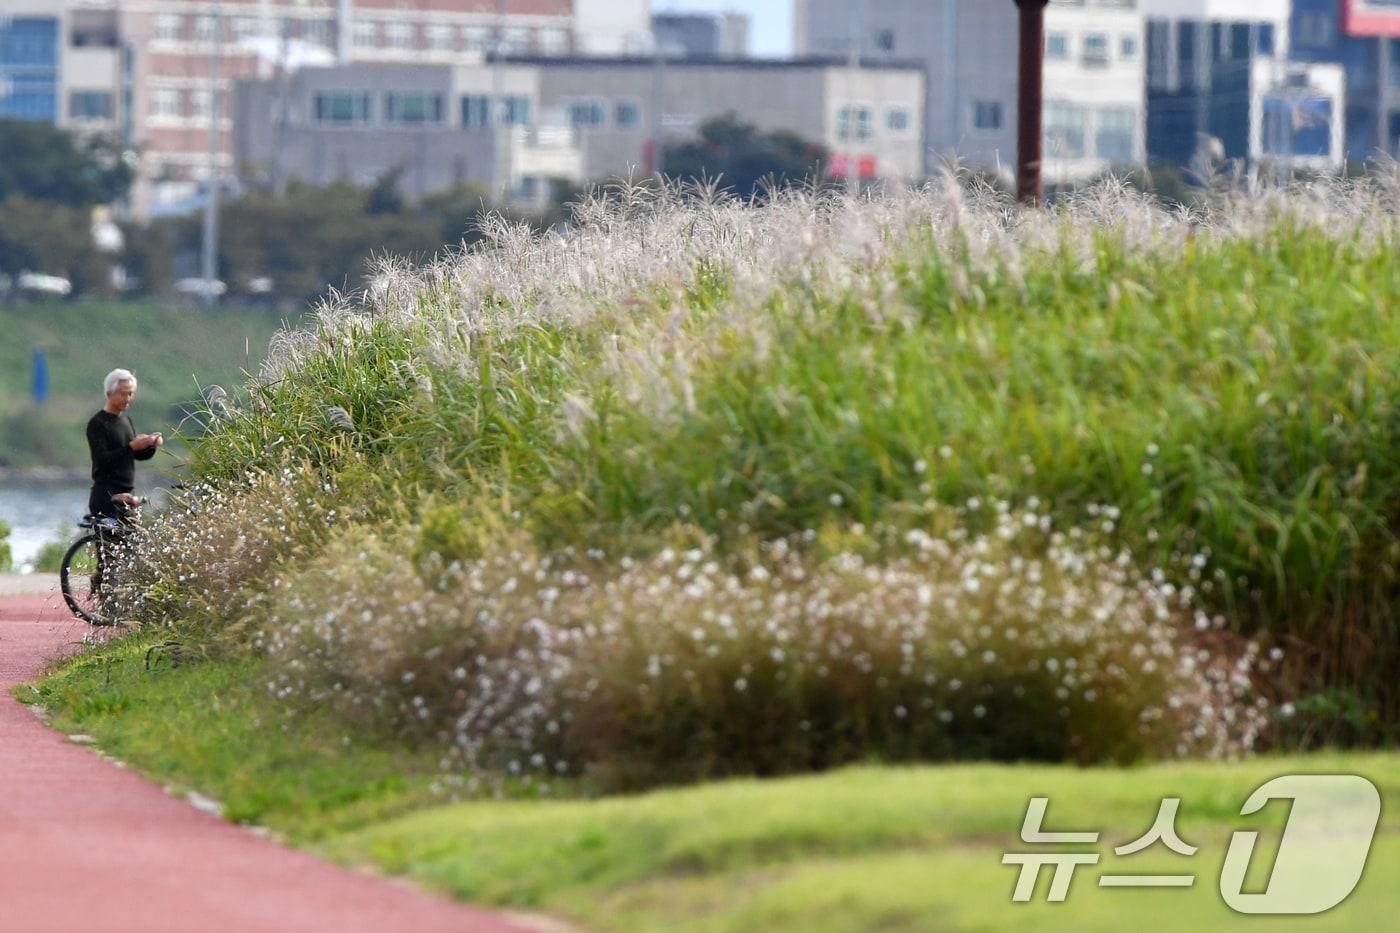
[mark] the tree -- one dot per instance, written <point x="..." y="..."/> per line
<point x="52" y="239"/>
<point x="744" y="158"/>
<point x="48" y="164"/>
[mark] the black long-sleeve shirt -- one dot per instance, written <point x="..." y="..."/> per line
<point x="109" y="440"/>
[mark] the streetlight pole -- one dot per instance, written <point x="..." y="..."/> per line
<point x="209" y="251"/>
<point x="1030" y="118"/>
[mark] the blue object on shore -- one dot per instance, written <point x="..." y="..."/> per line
<point x="41" y="376"/>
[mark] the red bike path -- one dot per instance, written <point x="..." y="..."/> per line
<point x="86" y="845"/>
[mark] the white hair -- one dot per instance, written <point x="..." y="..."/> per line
<point x="115" y="378"/>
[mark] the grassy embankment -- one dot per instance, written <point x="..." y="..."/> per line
<point x="892" y="848"/>
<point x="173" y="351"/>
<point x="704" y="491"/>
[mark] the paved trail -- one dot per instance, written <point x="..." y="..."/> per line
<point x="85" y="845"/>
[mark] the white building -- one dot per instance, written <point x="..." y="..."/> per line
<point x="1218" y="74"/>
<point x="1094" y="74"/>
<point x="612" y="27"/>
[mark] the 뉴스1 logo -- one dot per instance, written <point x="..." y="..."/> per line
<point x="1320" y="859"/>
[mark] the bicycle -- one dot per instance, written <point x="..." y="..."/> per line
<point x="90" y="570"/>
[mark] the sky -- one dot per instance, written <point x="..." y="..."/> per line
<point x="772" y="19"/>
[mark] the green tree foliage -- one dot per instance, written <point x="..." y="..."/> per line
<point x="38" y="236"/>
<point x="313" y="237"/>
<point x="744" y="158"/>
<point x="48" y="164"/>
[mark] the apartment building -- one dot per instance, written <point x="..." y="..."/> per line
<point x="623" y="106"/>
<point x="1219" y="76"/>
<point x="516" y="124"/>
<point x="157" y="70"/>
<point x="64" y="64"/>
<point x="702" y="35"/>
<point x="1094" y="74"/>
<point x="436" y="126"/>
<point x="1363" y="37"/>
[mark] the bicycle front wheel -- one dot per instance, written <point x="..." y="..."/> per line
<point x="81" y="580"/>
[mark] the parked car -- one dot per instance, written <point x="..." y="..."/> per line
<point x="37" y="283"/>
<point x="201" y="288"/>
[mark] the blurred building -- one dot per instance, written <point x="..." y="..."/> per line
<point x="517" y="124"/>
<point x="435" y="126"/>
<point x="1363" y="37"/>
<point x="65" y="64"/>
<point x="1219" y="77"/>
<point x="158" y="70"/>
<point x="701" y="35"/>
<point x="1094" y="74"/>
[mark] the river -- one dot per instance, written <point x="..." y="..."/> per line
<point x="38" y="511"/>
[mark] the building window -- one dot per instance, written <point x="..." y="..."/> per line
<point x="515" y="41"/>
<point x="1116" y="129"/>
<point x="1096" y="50"/>
<point x="343" y="107"/>
<point x="399" y="35"/>
<point x="476" y="111"/>
<point x="94" y="29"/>
<point x="165" y="102"/>
<point x="1265" y="38"/>
<point x="205" y="29"/>
<point x="476" y="38"/>
<point x="554" y="41"/>
<point x="1187" y="55"/>
<point x="91" y="105"/>
<point x="587" y="114"/>
<point x="29" y="69"/>
<point x="442" y="38"/>
<point x="1128" y="48"/>
<point x="319" y="32"/>
<point x="413" y="108"/>
<point x="1159" y="55"/>
<point x="169" y="27"/>
<point x="246" y="27"/>
<point x="897" y="119"/>
<point x="627" y="114"/>
<point x="1360" y="62"/>
<point x="1057" y="46"/>
<point x="200" y="103"/>
<point x="986" y="115"/>
<point x="861" y="116"/>
<point x="1064" y="130"/>
<point x="515" y="110"/>
<point x="366" y="35"/>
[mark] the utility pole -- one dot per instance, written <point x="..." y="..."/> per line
<point x="279" y="171"/>
<point x="1030" y="116"/>
<point x="853" y="66"/>
<point x="344" y="31"/>
<point x="502" y="135"/>
<point x="209" y="264"/>
<point x="651" y="153"/>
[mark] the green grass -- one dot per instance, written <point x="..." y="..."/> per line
<point x="866" y="848"/>
<point x="172" y="350"/>
<point x="210" y="724"/>
<point x="1237" y="398"/>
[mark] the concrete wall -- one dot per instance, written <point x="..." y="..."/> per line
<point x="801" y="98"/>
<point x="970" y="49"/>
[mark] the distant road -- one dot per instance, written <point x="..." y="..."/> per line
<point x="85" y="844"/>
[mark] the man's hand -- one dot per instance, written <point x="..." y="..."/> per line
<point x="143" y="441"/>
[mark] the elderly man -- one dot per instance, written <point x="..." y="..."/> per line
<point x="115" y="446"/>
